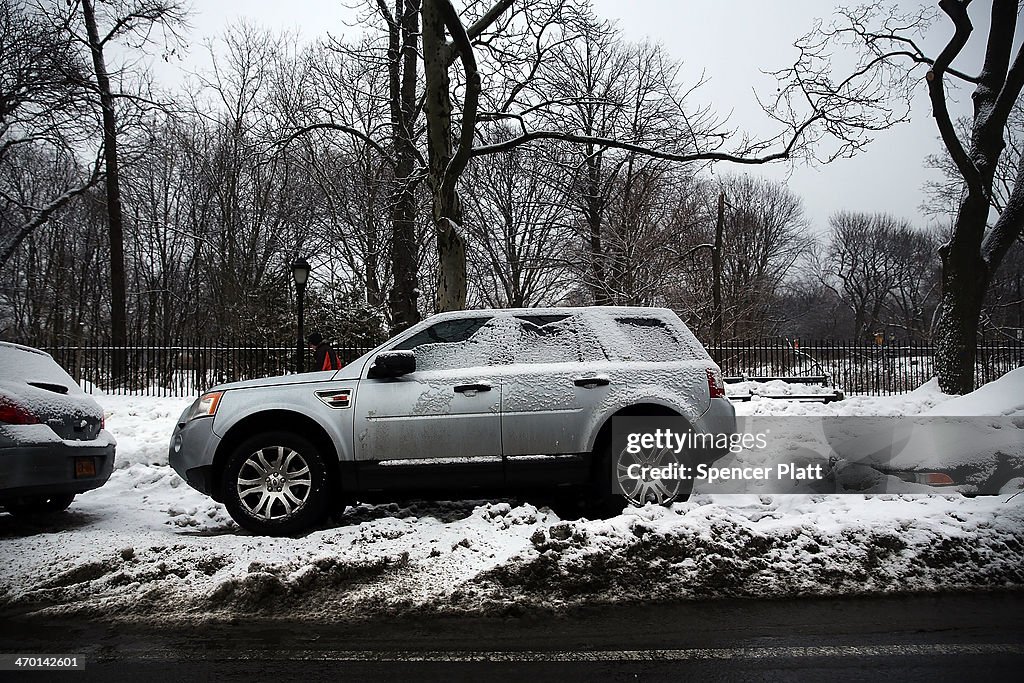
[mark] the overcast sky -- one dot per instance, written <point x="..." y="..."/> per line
<point x="731" y="41"/>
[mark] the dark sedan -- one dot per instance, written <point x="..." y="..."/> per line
<point x="53" y="444"/>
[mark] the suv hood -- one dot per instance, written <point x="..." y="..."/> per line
<point x="347" y="372"/>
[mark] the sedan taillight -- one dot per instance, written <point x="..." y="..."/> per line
<point x="716" y="385"/>
<point x="13" y="414"/>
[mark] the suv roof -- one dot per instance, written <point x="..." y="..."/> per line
<point x="553" y="310"/>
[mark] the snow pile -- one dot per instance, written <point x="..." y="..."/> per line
<point x="146" y="545"/>
<point x="142" y="426"/>
<point x="768" y="547"/>
<point x="775" y="387"/>
<point x="922" y="399"/>
<point x="1004" y="396"/>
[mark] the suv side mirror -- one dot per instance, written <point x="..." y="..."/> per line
<point x="392" y="364"/>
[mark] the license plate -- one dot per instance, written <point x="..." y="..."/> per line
<point x="85" y="467"/>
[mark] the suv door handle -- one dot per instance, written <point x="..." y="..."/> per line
<point x="591" y="382"/>
<point x="463" y="388"/>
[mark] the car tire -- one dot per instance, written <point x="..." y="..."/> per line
<point x="603" y="501"/>
<point x="276" y="484"/>
<point x="610" y="498"/>
<point x="40" y="506"/>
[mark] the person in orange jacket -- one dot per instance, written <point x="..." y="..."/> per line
<point x="324" y="357"/>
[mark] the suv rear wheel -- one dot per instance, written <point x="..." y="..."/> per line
<point x="604" y="499"/>
<point x="276" y="484"/>
<point x="614" y="489"/>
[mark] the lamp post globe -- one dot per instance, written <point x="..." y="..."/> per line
<point x="300" y="271"/>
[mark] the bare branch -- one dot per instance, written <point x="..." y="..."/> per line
<point x="647" y="151"/>
<point x="44" y="213"/>
<point x="284" y="142"/>
<point x="957" y="12"/>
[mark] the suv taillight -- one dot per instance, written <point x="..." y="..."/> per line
<point x="716" y="385"/>
<point x="13" y="414"/>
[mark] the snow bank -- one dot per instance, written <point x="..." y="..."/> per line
<point x="142" y="426"/>
<point x="767" y="546"/>
<point x="1005" y="396"/>
<point x="922" y="399"/>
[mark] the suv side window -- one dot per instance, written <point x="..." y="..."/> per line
<point x="650" y="339"/>
<point x="555" y="339"/>
<point x="465" y="343"/>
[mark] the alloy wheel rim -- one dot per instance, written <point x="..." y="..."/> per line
<point x="274" y="483"/>
<point x="639" y="491"/>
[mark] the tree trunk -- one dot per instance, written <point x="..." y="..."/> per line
<point x="594" y="215"/>
<point x="957" y="333"/>
<point x="118" y="316"/>
<point x="404" y="252"/>
<point x="447" y="214"/>
<point x="965" y="276"/>
<point x="402" y="68"/>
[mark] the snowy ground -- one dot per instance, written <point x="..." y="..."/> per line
<point x="146" y="545"/>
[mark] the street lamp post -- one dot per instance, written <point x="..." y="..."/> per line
<point x="300" y="273"/>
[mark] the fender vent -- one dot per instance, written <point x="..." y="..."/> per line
<point x="335" y="398"/>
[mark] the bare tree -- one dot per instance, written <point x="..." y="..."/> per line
<point x="917" y="282"/>
<point x="353" y="104"/>
<point x="878" y="92"/>
<point x="697" y="137"/>
<point x="860" y="257"/>
<point x="258" y="205"/>
<point x="597" y="85"/>
<point x="44" y="114"/>
<point x="765" y="232"/>
<point x="361" y="196"/>
<point x="101" y="26"/>
<point x="520" y="229"/>
<point x="878" y="266"/>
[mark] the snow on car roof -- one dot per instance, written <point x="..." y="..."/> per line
<point x="21" y="347"/>
<point x="552" y="310"/>
<point x="23" y="363"/>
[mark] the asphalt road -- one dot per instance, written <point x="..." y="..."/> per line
<point x="932" y="638"/>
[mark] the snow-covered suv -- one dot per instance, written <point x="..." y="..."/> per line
<point x="462" y="405"/>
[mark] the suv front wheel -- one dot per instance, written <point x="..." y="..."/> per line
<point x="276" y="484"/>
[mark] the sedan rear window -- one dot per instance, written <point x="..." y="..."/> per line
<point x="37" y="369"/>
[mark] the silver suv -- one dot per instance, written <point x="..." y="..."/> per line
<point x="462" y="405"/>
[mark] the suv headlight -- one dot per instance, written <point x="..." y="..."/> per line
<point x="206" y="406"/>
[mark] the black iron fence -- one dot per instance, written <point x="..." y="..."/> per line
<point x="857" y="367"/>
<point x="180" y="370"/>
<point x="854" y="367"/>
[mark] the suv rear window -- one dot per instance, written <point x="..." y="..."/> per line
<point x="650" y="339"/>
